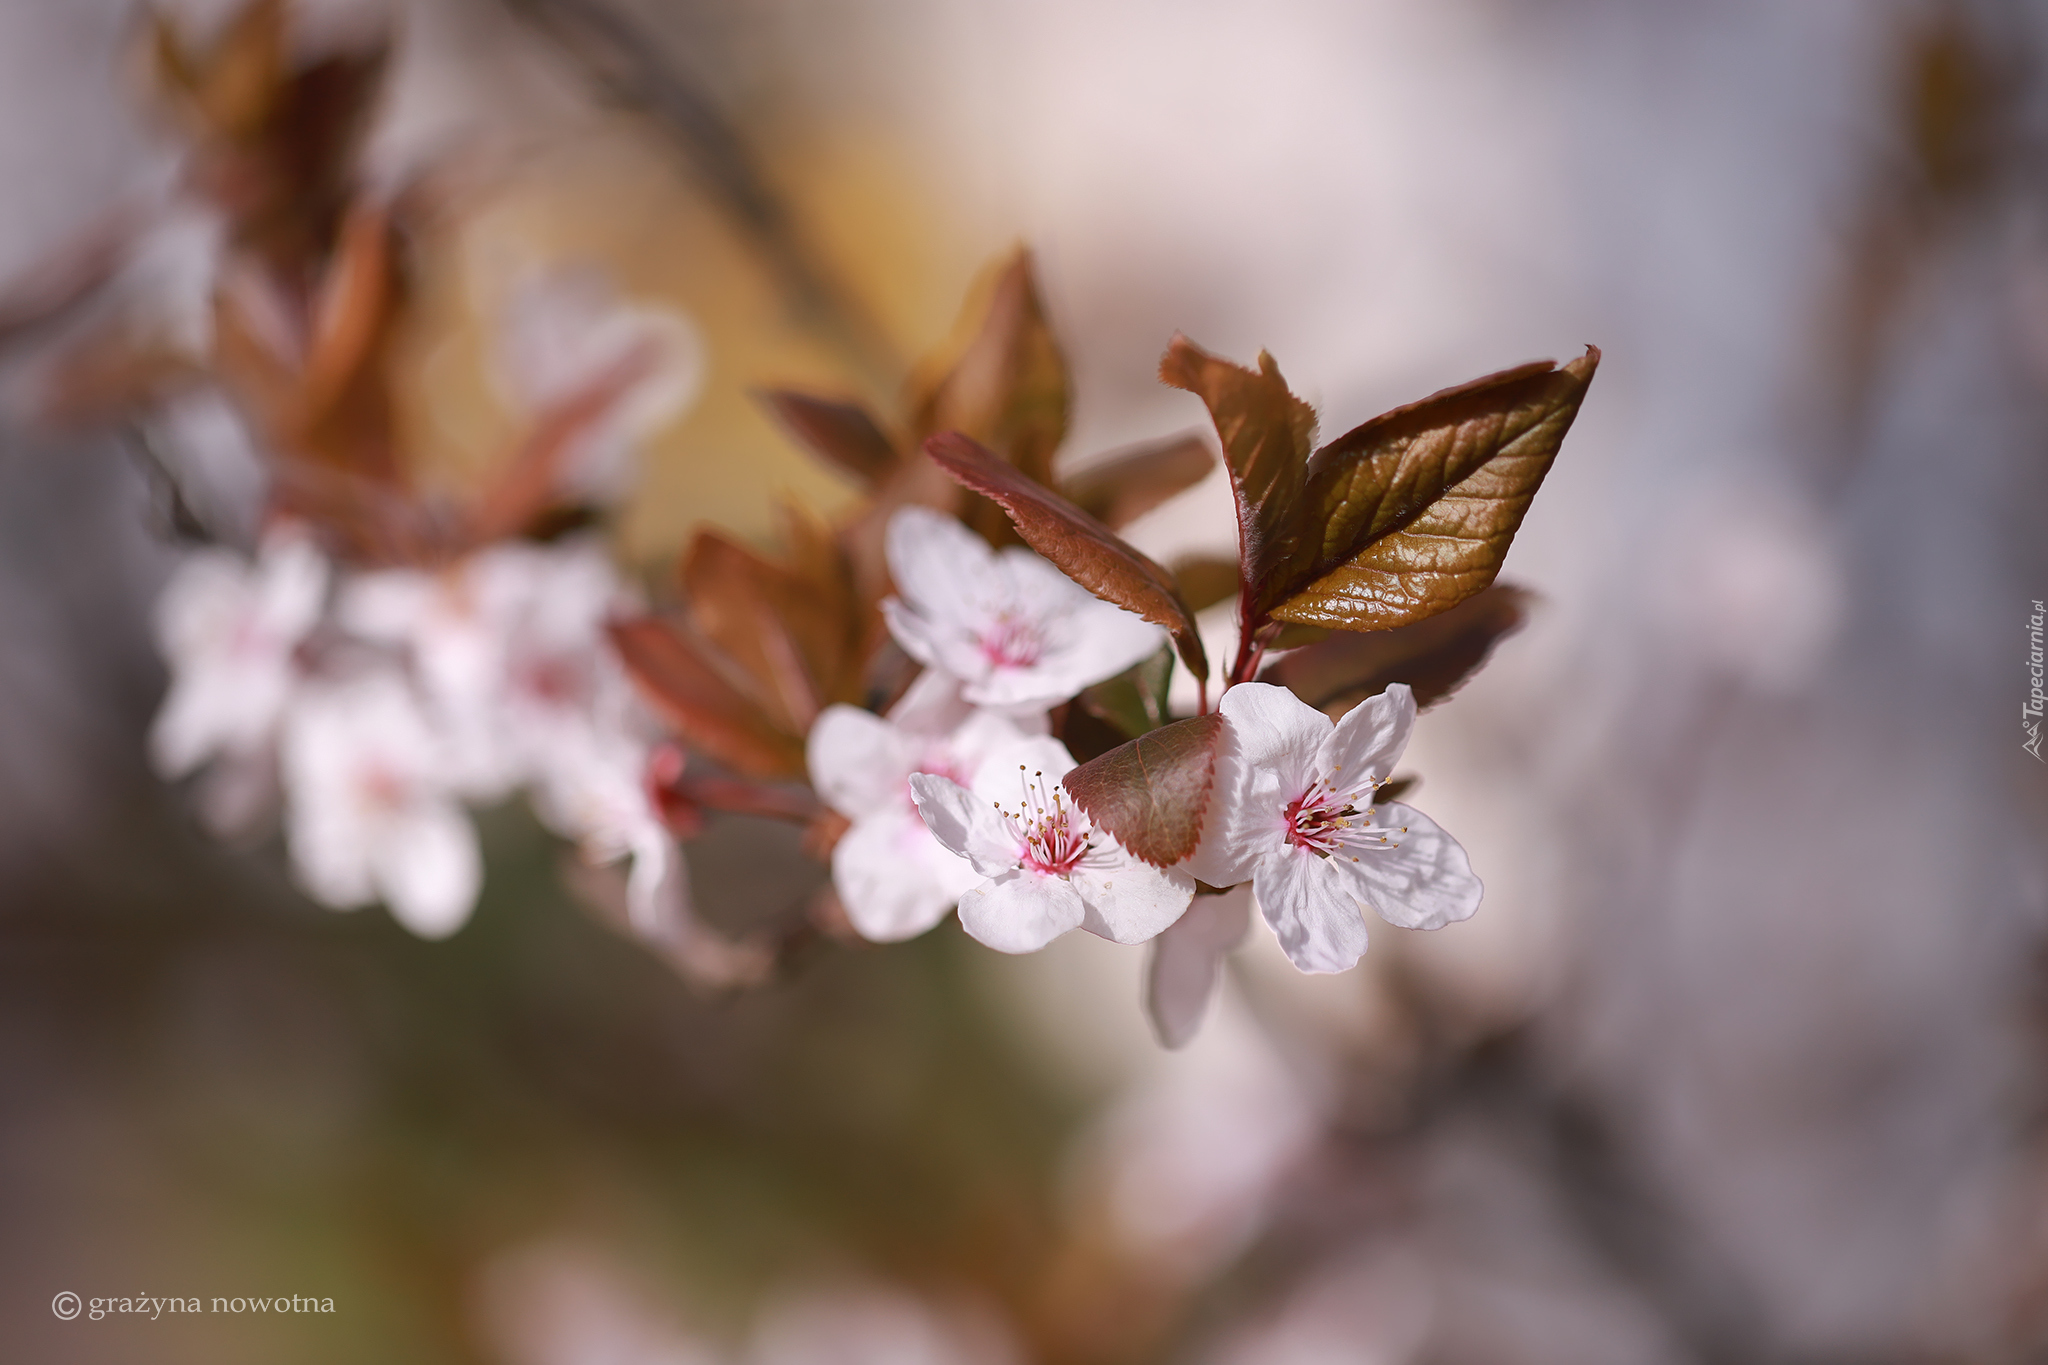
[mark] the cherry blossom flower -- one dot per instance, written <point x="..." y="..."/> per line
<point x="595" y="792"/>
<point x="371" y="815"/>
<point x="564" y="330"/>
<point x="1015" y="630"/>
<point x="509" y="648"/>
<point x="1293" y="811"/>
<point x="229" y="628"/>
<point x="895" y="879"/>
<point x="1048" y="868"/>
<point x="1188" y="958"/>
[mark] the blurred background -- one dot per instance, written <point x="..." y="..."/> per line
<point x="1745" y="1058"/>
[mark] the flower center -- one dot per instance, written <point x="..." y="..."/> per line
<point x="1012" y="642"/>
<point x="1051" y="836"/>
<point x="1325" y="820"/>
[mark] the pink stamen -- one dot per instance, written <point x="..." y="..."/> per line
<point x="1052" y="838"/>
<point x="1012" y="643"/>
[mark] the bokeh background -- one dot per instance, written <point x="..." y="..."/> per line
<point x="1744" y="1060"/>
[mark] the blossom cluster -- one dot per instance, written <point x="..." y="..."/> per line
<point x="954" y="796"/>
<point x="378" y="702"/>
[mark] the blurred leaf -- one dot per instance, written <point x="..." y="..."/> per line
<point x="843" y="433"/>
<point x="231" y="88"/>
<point x="1134" y="701"/>
<point x="1084" y="549"/>
<point x="1416" y="508"/>
<point x="527" y="492"/>
<point x="1204" y="582"/>
<point x="1007" y="387"/>
<point x="353" y="306"/>
<point x="710" y="710"/>
<point x="1434" y="656"/>
<point x="794" y="628"/>
<point x="1132" y="481"/>
<point x="1267" y="433"/>
<point x="1152" y="792"/>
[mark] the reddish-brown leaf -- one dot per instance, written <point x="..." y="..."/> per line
<point x="1414" y="511"/>
<point x="1205" y="580"/>
<point x="1007" y="387"/>
<point x="1126" y="484"/>
<point x="1084" y="549"/>
<point x="1434" y="656"/>
<point x="843" y="433"/>
<point x="707" y="708"/>
<point x="529" y="484"/>
<point x="1267" y="433"/>
<point x="1153" y="792"/>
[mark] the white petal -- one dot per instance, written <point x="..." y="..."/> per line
<point x="1424" y="881"/>
<point x="1021" y="911"/>
<point x="1033" y="758"/>
<point x="857" y="760"/>
<point x="330" y="854"/>
<point x="965" y="823"/>
<point x="931" y="705"/>
<point x="1320" y="924"/>
<point x="913" y="631"/>
<point x="895" y="879"/>
<point x="658" y="888"/>
<point x="1186" y="959"/>
<point x="429" y="868"/>
<point x="1129" y="901"/>
<point x="942" y="571"/>
<point x="1263" y="761"/>
<point x="1368" y="741"/>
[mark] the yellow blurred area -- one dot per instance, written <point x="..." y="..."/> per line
<point x="623" y="198"/>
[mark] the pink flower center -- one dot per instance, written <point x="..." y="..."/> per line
<point x="1325" y="821"/>
<point x="1012" y="642"/>
<point x="1052" y="837"/>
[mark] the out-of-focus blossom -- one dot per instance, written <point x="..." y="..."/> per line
<point x="1048" y="868"/>
<point x="1187" y="959"/>
<point x="371" y="814"/>
<point x="594" y="790"/>
<point x="230" y="629"/>
<point x="860" y="1324"/>
<point x="895" y="879"/>
<point x="1186" y="1163"/>
<point x="1293" y="811"/>
<point x="565" y="1303"/>
<point x="1015" y="630"/>
<point x="565" y="332"/>
<point x="508" y="645"/>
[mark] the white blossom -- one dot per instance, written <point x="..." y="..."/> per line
<point x="894" y="878"/>
<point x="1187" y="959"/>
<point x="229" y="628"/>
<point x="564" y="331"/>
<point x="1012" y="628"/>
<point x="1294" y="811"/>
<point x="1048" y="869"/>
<point x="370" y="813"/>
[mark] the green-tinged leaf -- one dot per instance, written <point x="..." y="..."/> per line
<point x="707" y="708"/>
<point x="1007" y="387"/>
<point x="842" y="433"/>
<point x="1416" y="509"/>
<point x="1153" y="792"/>
<point x="1267" y="433"/>
<point x="1126" y="484"/>
<point x="1435" y="656"/>
<point x="1204" y="581"/>
<point x="1134" y="701"/>
<point x="1084" y="549"/>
